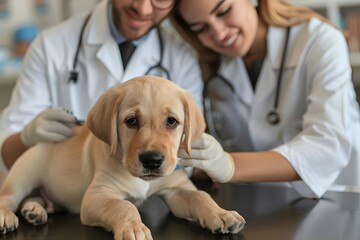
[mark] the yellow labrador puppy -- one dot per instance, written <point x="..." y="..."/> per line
<point x="127" y="152"/>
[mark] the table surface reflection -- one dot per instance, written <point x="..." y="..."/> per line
<point x="271" y="212"/>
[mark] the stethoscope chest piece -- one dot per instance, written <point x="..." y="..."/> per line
<point x="73" y="76"/>
<point x="273" y="117"/>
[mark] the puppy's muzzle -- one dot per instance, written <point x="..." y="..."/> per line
<point x="151" y="160"/>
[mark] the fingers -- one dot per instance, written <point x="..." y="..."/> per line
<point x="58" y="128"/>
<point x="192" y="163"/>
<point x="203" y="142"/>
<point x="195" y="154"/>
<point x="57" y="114"/>
<point x="53" y="137"/>
<point x="52" y="125"/>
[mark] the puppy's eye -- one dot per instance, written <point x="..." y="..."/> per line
<point x="132" y="122"/>
<point x="172" y="122"/>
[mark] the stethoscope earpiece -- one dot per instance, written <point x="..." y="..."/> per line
<point x="273" y="117"/>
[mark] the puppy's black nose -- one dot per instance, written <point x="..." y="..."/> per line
<point x="151" y="160"/>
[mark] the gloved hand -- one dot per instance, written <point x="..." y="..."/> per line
<point x="52" y="125"/>
<point x="207" y="154"/>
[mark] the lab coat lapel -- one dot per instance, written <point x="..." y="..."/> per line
<point x="99" y="35"/>
<point x="268" y="77"/>
<point x="145" y="56"/>
<point x="109" y="55"/>
<point x="234" y="71"/>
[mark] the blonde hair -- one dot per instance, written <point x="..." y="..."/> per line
<point x="278" y="13"/>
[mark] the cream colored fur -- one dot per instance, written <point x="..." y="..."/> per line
<point x="97" y="172"/>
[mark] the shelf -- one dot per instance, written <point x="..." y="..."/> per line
<point x="333" y="7"/>
<point x="335" y="10"/>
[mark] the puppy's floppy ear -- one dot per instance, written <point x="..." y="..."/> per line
<point x="194" y="121"/>
<point x="102" y="119"/>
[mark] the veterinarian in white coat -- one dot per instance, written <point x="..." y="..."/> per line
<point x="309" y="136"/>
<point x="44" y="87"/>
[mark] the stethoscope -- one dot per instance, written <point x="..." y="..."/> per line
<point x="158" y="67"/>
<point x="273" y="117"/>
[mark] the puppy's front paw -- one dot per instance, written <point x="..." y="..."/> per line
<point x="132" y="230"/>
<point x="8" y="220"/>
<point x="223" y="222"/>
<point x="34" y="213"/>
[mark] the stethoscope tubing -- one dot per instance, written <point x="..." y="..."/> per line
<point x="208" y="113"/>
<point x="273" y="116"/>
<point x="73" y="74"/>
<point x="159" y="65"/>
<point x="282" y="64"/>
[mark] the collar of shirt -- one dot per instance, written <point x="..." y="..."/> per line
<point x="119" y="38"/>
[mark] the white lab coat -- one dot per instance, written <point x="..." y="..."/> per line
<point x="43" y="81"/>
<point x="320" y="128"/>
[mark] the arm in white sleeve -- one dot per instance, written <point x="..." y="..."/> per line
<point x="323" y="147"/>
<point x="31" y="94"/>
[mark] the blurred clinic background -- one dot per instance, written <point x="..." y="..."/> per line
<point x="21" y="21"/>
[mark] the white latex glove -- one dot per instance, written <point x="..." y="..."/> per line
<point x="52" y="125"/>
<point x="207" y="154"/>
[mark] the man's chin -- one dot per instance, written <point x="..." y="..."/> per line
<point x="134" y="33"/>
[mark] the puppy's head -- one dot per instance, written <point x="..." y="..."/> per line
<point x="146" y="119"/>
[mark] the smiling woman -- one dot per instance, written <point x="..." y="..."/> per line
<point x="278" y="95"/>
<point x="210" y="24"/>
<point x="276" y="13"/>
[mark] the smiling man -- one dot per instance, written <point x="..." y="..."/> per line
<point x="134" y="19"/>
<point x="70" y="65"/>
